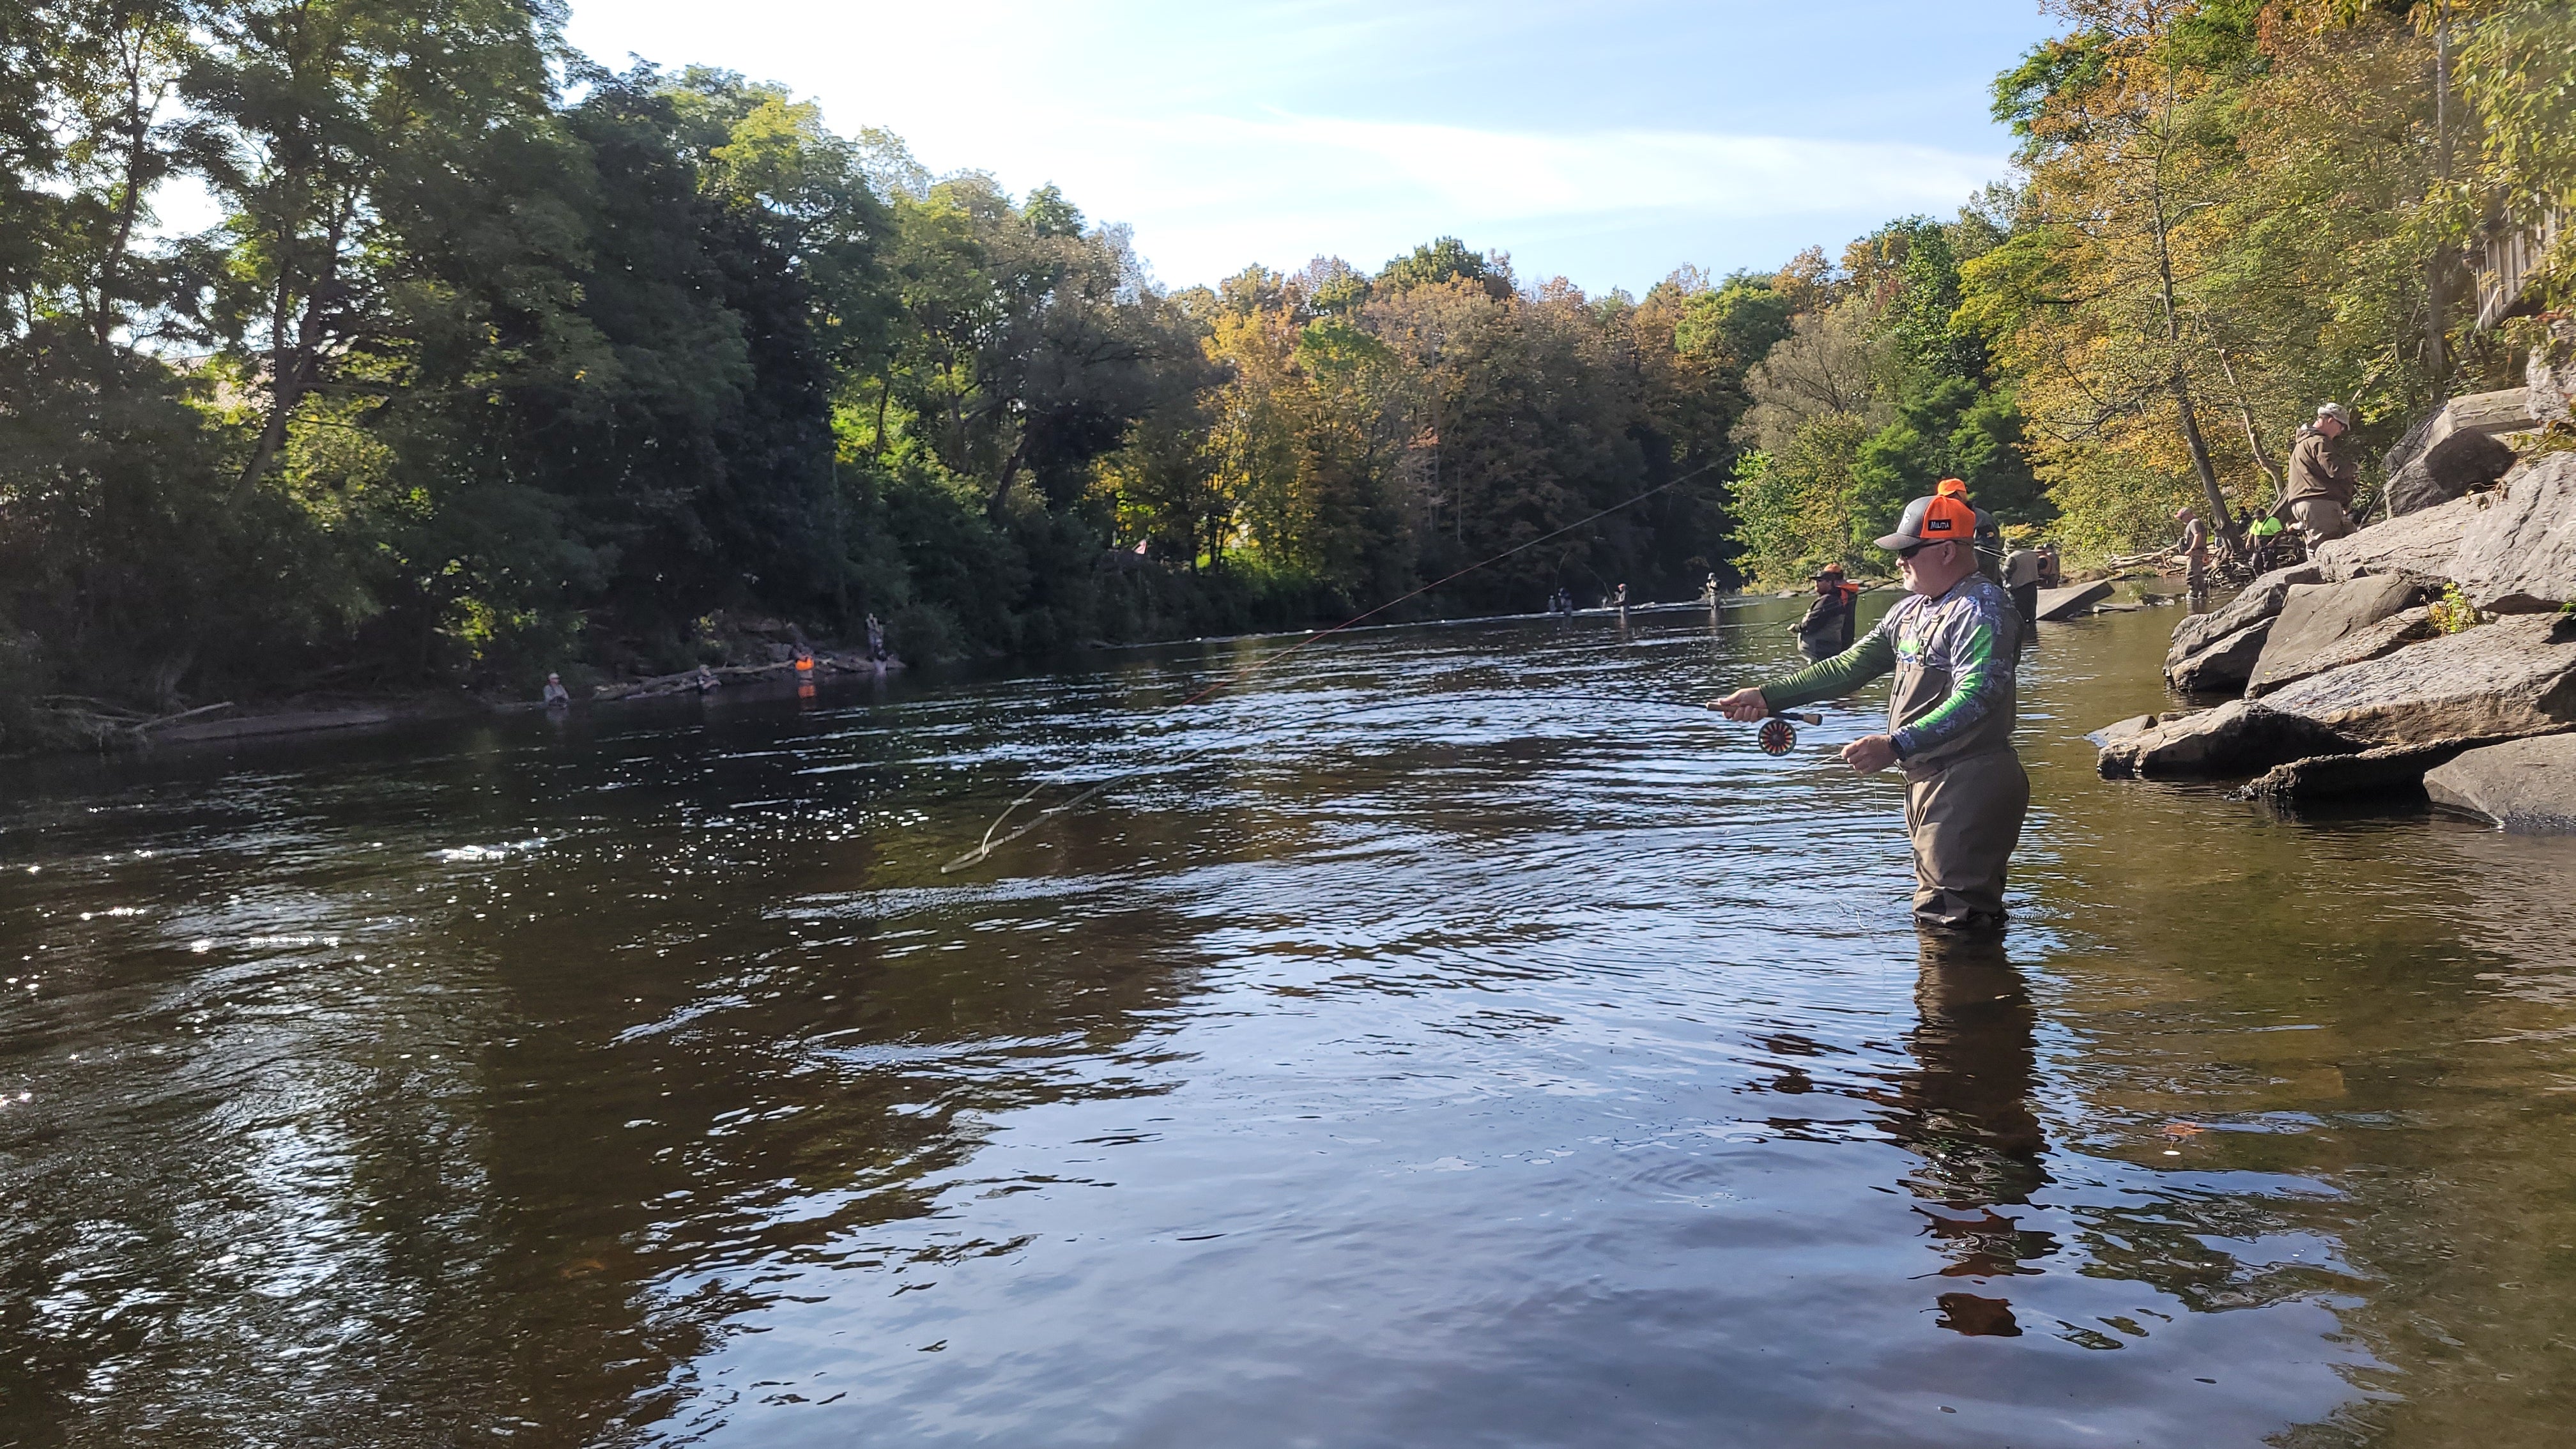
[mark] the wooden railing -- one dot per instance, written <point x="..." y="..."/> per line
<point x="2509" y="260"/>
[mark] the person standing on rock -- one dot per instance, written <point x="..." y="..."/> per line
<point x="1950" y="642"/>
<point x="2322" y="480"/>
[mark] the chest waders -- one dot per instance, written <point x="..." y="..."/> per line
<point x="1964" y="799"/>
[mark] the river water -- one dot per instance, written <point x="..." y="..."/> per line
<point x="1450" y="1038"/>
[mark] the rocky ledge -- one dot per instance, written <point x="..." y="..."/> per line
<point x="2350" y="687"/>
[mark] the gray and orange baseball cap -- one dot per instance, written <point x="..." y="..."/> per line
<point x="1937" y="519"/>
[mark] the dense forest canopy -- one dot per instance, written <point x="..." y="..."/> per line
<point x="499" y="361"/>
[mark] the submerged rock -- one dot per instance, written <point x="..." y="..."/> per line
<point x="2316" y="617"/>
<point x="2389" y="770"/>
<point x="2521" y="785"/>
<point x="2239" y="737"/>
<point x="2518" y="556"/>
<point x="2493" y="682"/>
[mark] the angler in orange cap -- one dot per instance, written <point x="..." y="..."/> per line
<point x="1827" y="628"/>
<point x="1989" y="535"/>
<point x="1950" y="643"/>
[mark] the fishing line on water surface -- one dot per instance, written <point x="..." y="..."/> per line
<point x="990" y="842"/>
<point x="1776" y="738"/>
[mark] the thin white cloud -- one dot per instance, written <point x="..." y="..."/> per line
<point x="1500" y="175"/>
<point x="1209" y="193"/>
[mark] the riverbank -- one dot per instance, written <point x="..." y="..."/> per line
<point x="83" y="725"/>
<point x="2440" y="643"/>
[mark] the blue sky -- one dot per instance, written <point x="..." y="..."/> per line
<point x="1607" y="142"/>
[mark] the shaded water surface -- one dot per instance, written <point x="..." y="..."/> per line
<point x="1451" y="1038"/>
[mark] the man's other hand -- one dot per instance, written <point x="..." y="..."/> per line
<point x="1870" y="753"/>
<point x="1744" y="705"/>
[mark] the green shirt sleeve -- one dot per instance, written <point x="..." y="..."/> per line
<point x="1826" y="678"/>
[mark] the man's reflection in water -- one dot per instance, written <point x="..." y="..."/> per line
<point x="1966" y="1107"/>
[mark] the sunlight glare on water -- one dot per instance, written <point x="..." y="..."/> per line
<point x="1455" y="1036"/>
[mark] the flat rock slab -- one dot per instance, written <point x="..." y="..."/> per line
<point x="2391" y="771"/>
<point x="2239" y="737"/>
<point x="2315" y="617"/>
<point x="2136" y="724"/>
<point x="2377" y="641"/>
<point x="2224" y="666"/>
<point x="2495" y="681"/>
<point x="2522" y="785"/>
<point x="2059" y="603"/>
<point x="2419" y="543"/>
<point x="2518" y="555"/>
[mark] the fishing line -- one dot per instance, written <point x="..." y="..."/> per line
<point x="985" y="847"/>
<point x="1336" y="714"/>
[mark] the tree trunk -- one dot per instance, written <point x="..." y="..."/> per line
<point x="2209" y="485"/>
<point x="1010" y="472"/>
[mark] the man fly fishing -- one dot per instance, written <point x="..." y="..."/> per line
<point x="1951" y="642"/>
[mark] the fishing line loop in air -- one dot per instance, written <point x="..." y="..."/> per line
<point x="985" y="847"/>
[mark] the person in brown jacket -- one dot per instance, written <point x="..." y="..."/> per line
<point x="2321" y="481"/>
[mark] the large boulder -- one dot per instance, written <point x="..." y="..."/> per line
<point x="2223" y="666"/>
<point x="2550" y="372"/>
<point x="2518" y="556"/>
<point x="2315" y="617"/>
<point x="2258" y="600"/>
<point x="2239" y="737"/>
<point x="2455" y="450"/>
<point x="2521" y="785"/>
<point x="2493" y="682"/>
<point x="2417" y="543"/>
<point x="2387" y="770"/>
<point x="2410" y="626"/>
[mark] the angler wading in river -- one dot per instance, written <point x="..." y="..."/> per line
<point x="1951" y="645"/>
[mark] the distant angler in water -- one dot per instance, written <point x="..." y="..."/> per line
<point x="1827" y="630"/>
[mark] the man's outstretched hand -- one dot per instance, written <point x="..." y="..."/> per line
<point x="1870" y="753"/>
<point x="1744" y="705"/>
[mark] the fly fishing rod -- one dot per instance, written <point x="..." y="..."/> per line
<point x="990" y="843"/>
